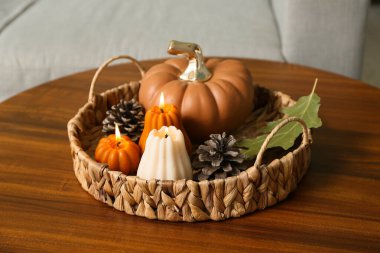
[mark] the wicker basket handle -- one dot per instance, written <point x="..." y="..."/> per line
<point x="275" y="130"/>
<point x="105" y="64"/>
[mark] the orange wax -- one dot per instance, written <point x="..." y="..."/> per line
<point x="119" y="153"/>
<point x="163" y="115"/>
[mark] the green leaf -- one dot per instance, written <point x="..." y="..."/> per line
<point x="306" y="108"/>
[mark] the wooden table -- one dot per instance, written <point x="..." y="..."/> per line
<point x="336" y="207"/>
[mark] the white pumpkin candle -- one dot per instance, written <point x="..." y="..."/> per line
<point x="165" y="156"/>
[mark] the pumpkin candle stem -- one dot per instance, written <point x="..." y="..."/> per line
<point x="196" y="70"/>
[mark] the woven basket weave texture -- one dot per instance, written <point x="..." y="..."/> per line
<point x="258" y="187"/>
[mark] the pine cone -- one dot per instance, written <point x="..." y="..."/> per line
<point x="219" y="158"/>
<point x="128" y="115"/>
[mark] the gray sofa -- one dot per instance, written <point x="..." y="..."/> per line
<point x="45" y="39"/>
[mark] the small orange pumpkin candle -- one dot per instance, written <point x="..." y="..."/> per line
<point x="162" y="115"/>
<point x="119" y="152"/>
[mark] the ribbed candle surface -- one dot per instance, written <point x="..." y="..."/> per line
<point x="165" y="156"/>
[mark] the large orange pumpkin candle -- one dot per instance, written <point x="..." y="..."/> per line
<point x="119" y="152"/>
<point x="162" y="115"/>
<point x="213" y="96"/>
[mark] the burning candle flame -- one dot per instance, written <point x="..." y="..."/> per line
<point x="162" y="101"/>
<point x="117" y="133"/>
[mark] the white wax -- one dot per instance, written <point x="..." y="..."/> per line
<point x="165" y="158"/>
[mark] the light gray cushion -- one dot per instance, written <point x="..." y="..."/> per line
<point x="11" y="9"/>
<point x="56" y="38"/>
<point x="324" y="34"/>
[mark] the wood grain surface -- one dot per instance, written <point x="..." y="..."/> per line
<point x="336" y="207"/>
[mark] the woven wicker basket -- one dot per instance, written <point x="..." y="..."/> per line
<point x="258" y="187"/>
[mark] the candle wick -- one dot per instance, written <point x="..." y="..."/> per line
<point x="166" y="135"/>
<point x="162" y="110"/>
<point x="118" y="143"/>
